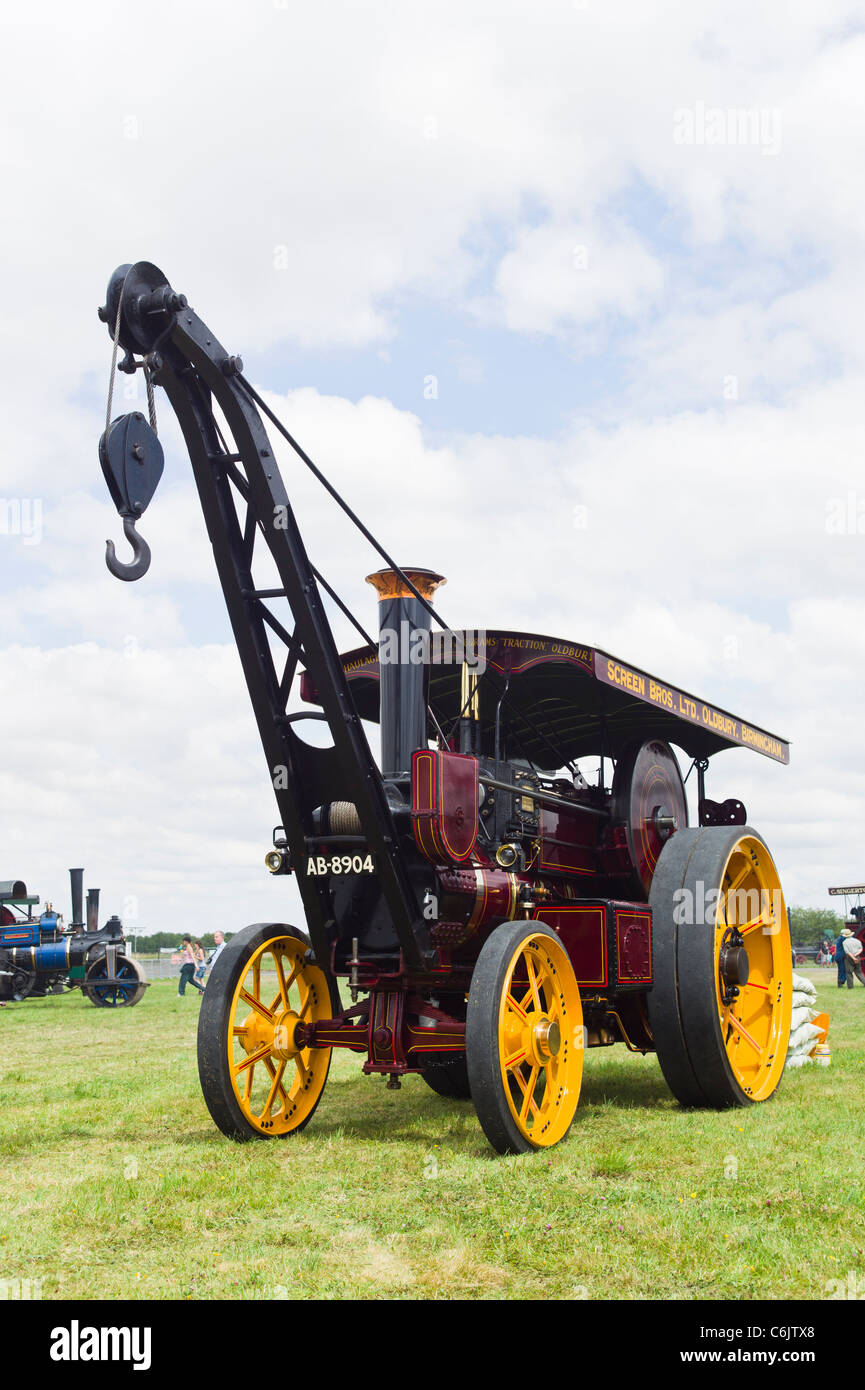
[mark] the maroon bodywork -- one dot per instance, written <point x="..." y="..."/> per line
<point x="584" y="857"/>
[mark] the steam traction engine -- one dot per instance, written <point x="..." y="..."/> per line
<point x="490" y="907"/>
<point x="39" y="957"/>
<point x="854" y="917"/>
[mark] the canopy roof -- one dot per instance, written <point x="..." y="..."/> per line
<point x="564" y="701"/>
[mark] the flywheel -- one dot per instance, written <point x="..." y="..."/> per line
<point x="649" y="804"/>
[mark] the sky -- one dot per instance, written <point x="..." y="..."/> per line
<point x="564" y="297"/>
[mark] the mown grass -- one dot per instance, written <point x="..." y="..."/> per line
<point x="117" y="1185"/>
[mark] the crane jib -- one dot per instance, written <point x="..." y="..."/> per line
<point x="243" y="498"/>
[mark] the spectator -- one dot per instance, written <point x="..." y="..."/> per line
<point x="200" y="961"/>
<point x="839" y="961"/>
<point x="187" y="968"/>
<point x="852" y="957"/>
<point x="218" y="945"/>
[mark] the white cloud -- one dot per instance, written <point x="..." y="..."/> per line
<point x="386" y="158"/>
<point x="312" y="165"/>
<point x="146" y="769"/>
<point x="557" y="277"/>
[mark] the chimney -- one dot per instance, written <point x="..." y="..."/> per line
<point x="402" y="682"/>
<point x="76" y="877"/>
<point x="92" y="909"/>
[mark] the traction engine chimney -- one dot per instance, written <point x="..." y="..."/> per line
<point x="92" y="909"/>
<point x="402" y="682"/>
<point x="76" y="878"/>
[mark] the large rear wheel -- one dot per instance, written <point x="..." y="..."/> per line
<point x="128" y="987"/>
<point x="258" y="1084"/>
<point x="720" y="1005"/>
<point x="524" y="1038"/>
<point x="449" y="1079"/>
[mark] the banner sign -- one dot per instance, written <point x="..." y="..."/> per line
<point x="615" y="673"/>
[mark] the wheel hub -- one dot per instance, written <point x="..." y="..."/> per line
<point x="665" y="823"/>
<point x="283" y="1045"/>
<point x="547" y="1039"/>
<point x="734" y="964"/>
<point x="260" y="1035"/>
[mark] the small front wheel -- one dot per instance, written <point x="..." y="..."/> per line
<point x="257" y="1083"/>
<point x="524" y="1038"/>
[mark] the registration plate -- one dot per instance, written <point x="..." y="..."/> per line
<point x="322" y="865"/>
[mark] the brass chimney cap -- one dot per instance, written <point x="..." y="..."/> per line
<point x="388" y="584"/>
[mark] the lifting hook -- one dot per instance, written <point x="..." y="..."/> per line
<point x="140" y="553"/>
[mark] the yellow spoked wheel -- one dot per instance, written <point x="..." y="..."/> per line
<point x="720" y="1007"/>
<point x="524" y="1038"/>
<point x="257" y="1080"/>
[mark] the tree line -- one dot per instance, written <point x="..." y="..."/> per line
<point x="811" y="925"/>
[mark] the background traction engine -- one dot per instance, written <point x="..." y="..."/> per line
<point x="39" y="957"/>
<point x="488" y="912"/>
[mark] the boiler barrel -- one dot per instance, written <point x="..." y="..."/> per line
<point x="57" y="955"/>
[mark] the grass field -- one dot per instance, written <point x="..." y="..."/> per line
<point x="117" y="1185"/>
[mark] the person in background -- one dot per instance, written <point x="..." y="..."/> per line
<point x="200" y="961"/>
<point x="839" y="960"/>
<point x="218" y="944"/>
<point x="852" y="957"/>
<point x="187" y="968"/>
